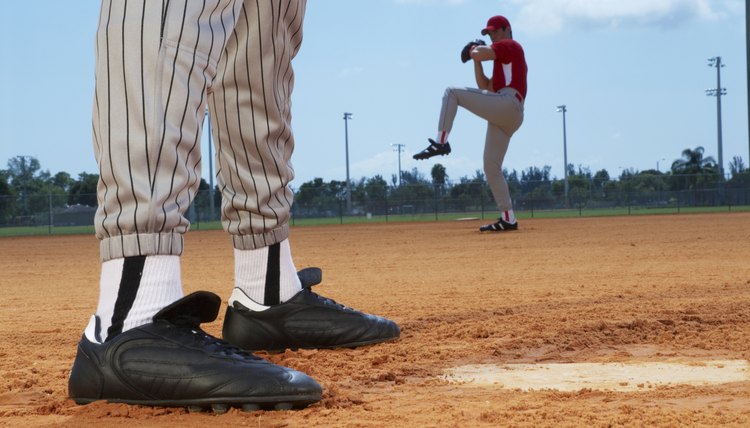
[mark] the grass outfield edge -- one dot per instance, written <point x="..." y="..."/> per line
<point x="327" y="221"/>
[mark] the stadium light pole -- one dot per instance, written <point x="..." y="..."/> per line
<point x="347" y="116"/>
<point x="657" y="164"/>
<point x="399" y="149"/>
<point x="718" y="92"/>
<point x="210" y="169"/>
<point x="564" y="109"/>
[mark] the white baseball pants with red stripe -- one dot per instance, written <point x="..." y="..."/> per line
<point x="503" y="112"/>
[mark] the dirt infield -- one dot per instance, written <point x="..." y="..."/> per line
<point x="590" y="290"/>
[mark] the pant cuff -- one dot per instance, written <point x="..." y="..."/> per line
<point x="166" y="244"/>
<point x="253" y="242"/>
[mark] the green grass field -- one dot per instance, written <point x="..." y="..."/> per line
<point x="567" y="213"/>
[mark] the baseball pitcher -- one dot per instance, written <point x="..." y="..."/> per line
<point x="499" y="100"/>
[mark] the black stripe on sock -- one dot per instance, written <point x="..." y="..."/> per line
<point x="273" y="274"/>
<point x="98" y="329"/>
<point x="132" y="271"/>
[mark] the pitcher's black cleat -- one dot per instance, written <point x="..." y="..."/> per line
<point x="171" y="362"/>
<point x="433" y="149"/>
<point x="499" y="226"/>
<point x="307" y="321"/>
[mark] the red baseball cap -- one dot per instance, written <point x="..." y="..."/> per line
<point x="494" y="23"/>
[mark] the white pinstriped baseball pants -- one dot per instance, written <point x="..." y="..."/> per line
<point x="159" y="64"/>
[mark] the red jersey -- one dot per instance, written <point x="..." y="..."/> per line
<point x="510" y="66"/>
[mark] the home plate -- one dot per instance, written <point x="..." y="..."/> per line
<point x="602" y="376"/>
<point x="467" y="218"/>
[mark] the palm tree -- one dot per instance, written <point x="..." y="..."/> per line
<point x="438" y="174"/>
<point x="737" y="166"/>
<point x="694" y="171"/>
<point x="693" y="162"/>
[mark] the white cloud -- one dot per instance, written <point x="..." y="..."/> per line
<point x="383" y="163"/>
<point x="550" y="16"/>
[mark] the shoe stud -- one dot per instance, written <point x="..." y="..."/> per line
<point x="250" y="407"/>
<point x="220" y="408"/>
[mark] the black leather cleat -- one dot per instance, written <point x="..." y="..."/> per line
<point x="499" y="226"/>
<point x="433" y="149"/>
<point x="171" y="362"/>
<point x="306" y="321"/>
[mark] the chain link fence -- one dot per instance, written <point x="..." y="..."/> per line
<point x="39" y="214"/>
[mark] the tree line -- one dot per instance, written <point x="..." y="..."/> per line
<point x="692" y="171"/>
<point x="24" y="179"/>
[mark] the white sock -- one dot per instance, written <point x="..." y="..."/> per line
<point x="509" y="216"/>
<point x="442" y="137"/>
<point x="266" y="275"/>
<point x="131" y="291"/>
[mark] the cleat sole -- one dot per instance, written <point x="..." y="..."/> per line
<point x="192" y="406"/>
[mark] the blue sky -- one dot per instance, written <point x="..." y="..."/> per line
<point x="632" y="74"/>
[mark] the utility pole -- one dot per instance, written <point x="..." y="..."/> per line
<point x="347" y="116"/>
<point x="718" y="92"/>
<point x="399" y="149"/>
<point x="564" y="109"/>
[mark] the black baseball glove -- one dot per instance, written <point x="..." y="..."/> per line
<point x="466" y="51"/>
